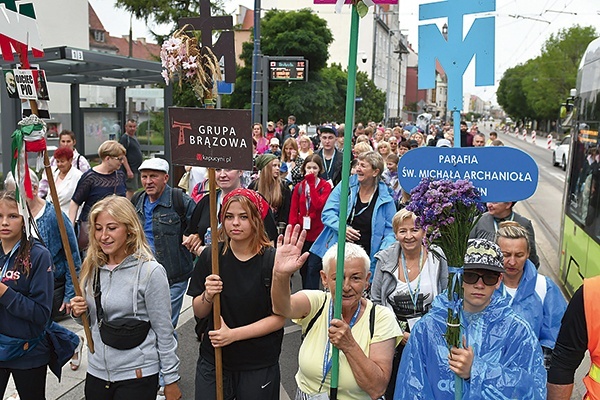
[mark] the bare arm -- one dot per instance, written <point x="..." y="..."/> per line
<point x="287" y="261"/>
<point x="225" y="335"/>
<point x="73" y="208"/>
<point x="372" y="373"/>
<point x="203" y="304"/>
<point x="559" y="392"/>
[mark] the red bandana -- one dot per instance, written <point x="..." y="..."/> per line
<point x="254" y="197"/>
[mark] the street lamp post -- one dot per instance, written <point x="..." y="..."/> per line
<point x="387" y="86"/>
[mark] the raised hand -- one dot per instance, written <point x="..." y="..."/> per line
<point x="289" y="257"/>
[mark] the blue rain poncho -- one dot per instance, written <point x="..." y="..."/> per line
<point x="543" y="316"/>
<point x="508" y="360"/>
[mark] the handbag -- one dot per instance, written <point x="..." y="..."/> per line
<point x="120" y="333"/>
<point x="83" y="234"/>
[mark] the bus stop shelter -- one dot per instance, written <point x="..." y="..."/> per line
<point x="77" y="67"/>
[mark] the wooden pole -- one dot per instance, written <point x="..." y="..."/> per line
<point x="214" y="243"/>
<point x="63" y="235"/>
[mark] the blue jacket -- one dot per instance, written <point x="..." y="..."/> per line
<point x="545" y="317"/>
<point x="168" y="234"/>
<point x="48" y="227"/>
<point x="26" y="305"/>
<point x="381" y="226"/>
<point x="508" y="360"/>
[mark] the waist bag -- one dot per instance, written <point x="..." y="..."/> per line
<point x="11" y="348"/>
<point x="120" y="333"/>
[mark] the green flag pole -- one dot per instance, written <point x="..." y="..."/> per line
<point x="350" y="102"/>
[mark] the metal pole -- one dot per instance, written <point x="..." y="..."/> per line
<point x="256" y="64"/>
<point x="350" y="97"/>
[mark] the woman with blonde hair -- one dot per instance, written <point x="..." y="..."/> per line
<point x="293" y="162"/>
<point x="531" y="295"/>
<point x="361" y="147"/>
<point x="270" y="185"/>
<point x="103" y="180"/>
<point x="384" y="149"/>
<point x="250" y="335"/>
<point x="120" y="262"/>
<point x="305" y="147"/>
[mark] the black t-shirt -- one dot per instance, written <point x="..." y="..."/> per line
<point x="361" y="218"/>
<point x="571" y="344"/>
<point x="134" y="152"/>
<point x="245" y="299"/>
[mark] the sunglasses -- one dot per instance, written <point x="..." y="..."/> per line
<point x="489" y="279"/>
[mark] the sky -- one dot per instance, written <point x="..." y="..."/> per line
<point x="522" y="27"/>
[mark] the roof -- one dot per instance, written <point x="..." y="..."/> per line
<point x="77" y="66"/>
<point x="140" y="49"/>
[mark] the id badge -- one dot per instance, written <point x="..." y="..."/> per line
<point x="306" y="222"/>
<point x="320" y="396"/>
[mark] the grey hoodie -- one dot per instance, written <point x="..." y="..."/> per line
<point x="384" y="281"/>
<point x="152" y="302"/>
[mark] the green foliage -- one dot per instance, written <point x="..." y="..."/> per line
<point x="167" y="11"/>
<point x="371" y="108"/>
<point x="536" y="89"/>
<point x="154" y="125"/>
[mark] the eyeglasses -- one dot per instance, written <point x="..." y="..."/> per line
<point x="120" y="159"/>
<point x="489" y="279"/>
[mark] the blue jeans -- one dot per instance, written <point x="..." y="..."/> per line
<point x="177" y="292"/>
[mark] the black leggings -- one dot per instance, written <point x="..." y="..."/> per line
<point x="140" y="389"/>
<point x="30" y="383"/>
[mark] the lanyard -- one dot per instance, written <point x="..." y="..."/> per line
<point x="414" y="296"/>
<point x="327" y="169"/>
<point x="512" y="216"/>
<point x="327" y="362"/>
<point x="354" y="213"/>
<point x="307" y="194"/>
<point x="5" y="267"/>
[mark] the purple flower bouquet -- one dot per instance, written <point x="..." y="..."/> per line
<point x="448" y="210"/>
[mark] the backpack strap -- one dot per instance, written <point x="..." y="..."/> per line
<point x="136" y="197"/>
<point x="314" y="319"/>
<point x="267" y="266"/>
<point x="541" y="287"/>
<point x="179" y="206"/>
<point x="372" y="320"/>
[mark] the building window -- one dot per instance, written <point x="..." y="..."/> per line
<point x="99" y="36"/>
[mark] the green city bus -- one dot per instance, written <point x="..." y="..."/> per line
<point x="580" y="236"/>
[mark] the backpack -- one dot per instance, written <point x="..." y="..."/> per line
<point x="178" y="204"/>
<point x="320" y="311"/>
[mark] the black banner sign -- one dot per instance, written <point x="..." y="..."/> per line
<point x="213" y="138"/>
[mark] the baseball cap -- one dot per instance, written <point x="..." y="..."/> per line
<point x="155" y="164"/>
<point x="443" y="143"/>
<point x="274" y="141"/>
<point x="483" y="254"/>
<point x="328" y="128"/>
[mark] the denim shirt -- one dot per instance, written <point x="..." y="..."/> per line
<point x="168" y="235"/>
<point x="47" y="226"/>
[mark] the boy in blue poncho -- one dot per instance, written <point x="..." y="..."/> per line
<point x="501" y="358"/>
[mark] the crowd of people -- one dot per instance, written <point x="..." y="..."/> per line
<point x="143" y="250"/>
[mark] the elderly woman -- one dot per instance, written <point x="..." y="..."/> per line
<point x="305" y="147"/>
<point x="97" y="183"/>
<point x="384" y="149"/>
<point x="407" y="278"/>
<point x="65" y="177"/>
<point x="366" y="335"/>
<point x="533" y="296"/>
<point x="370" y="211"/>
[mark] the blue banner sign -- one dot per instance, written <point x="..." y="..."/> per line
<point x="500" y="173"/>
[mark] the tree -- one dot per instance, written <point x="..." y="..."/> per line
<point x="372" y="106"/>
<point x="536" y="89"/>
<point x="167" y="11"/>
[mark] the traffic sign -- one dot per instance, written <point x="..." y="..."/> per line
<point x="224" y="87"/>
<point x="500" y="173"/>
